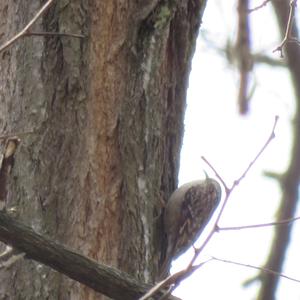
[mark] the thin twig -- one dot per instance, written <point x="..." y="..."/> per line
<point x="27" y="27"/>
<point x="228" y="191"/>
<point x="173" y="279"/>
<point x="216" y="173"/>
<point x="46" y="33"/>
<point x="256" y="268"/>
<point x="282" y="222"/>
<point x="258" y="6"/>
<point x="176" y="278"/>
<point x="271" y="137"/>
<point x="288" y="35"/>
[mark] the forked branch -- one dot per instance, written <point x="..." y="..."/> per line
<point x="26" y="30"/>
<point x="176" y="278"/>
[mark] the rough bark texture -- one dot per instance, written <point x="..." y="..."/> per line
<point x="104" y="279"/>
<point x="107" y="115"/>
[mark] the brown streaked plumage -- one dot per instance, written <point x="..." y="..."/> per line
<point x="188" y="210"/>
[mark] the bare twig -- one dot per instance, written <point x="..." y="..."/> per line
<point x="289" y="180"/>
<point x="271" y="137"/>
<point x="228" y="191"/>
<point x="282" y="222"/>
<point x="260" y="58"/>
<point x="216" y="173"/>
<point x="172" y="280"/>
<point x="288" y="33"/>
<point x="159" y="286"/>
<point x="27" y="27"/>
<point x="176" y="278"/>
<point x="265" y="270"/>
<point x="46" y="33"/>
<point x="258" y="6"/>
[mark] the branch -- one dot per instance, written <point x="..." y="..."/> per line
<point x="271" y="137"/>
<point x="258" y="6"/>
<point x="175" y="279"/>
<point x="288" y="33"/>
<point x="228" y="191"/>
<point x="27" y="27"/>
<point x="282" y="222"/>
<point x="104" y="279"/>
<point x="26" y="30"/>
<point x="260" y="58"/>
<point x="265" y="270"/>
<point x="47" y="33"/>
<point x="289" y="181"/>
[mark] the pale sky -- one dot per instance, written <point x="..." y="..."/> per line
<point x="214" y="129"/>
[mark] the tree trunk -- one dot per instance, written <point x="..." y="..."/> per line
<point x="106" y="113"/>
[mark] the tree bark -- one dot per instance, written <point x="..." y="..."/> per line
<point x="101" y="278"/>
<point x="107" y="115"/>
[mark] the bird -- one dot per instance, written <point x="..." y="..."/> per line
<point x="186" y="214"/>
